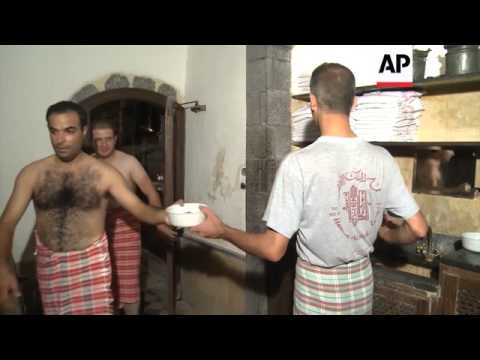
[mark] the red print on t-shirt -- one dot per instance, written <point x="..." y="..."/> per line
<point x="355" y="203"/>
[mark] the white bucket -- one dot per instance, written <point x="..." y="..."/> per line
<point x="471" y="241"/>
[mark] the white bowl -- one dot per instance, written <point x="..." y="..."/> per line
<point x="185" y="216"/>
<point x="471" y="241"/>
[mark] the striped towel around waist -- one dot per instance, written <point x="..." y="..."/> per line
<point x="124" y="233"/>
<point x="342" y="290"/>
<point x="75" y="282"/>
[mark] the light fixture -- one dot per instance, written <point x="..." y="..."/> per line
<point x="195" y="108"/>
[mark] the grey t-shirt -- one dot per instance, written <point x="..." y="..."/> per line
<point x="334" y="192"/>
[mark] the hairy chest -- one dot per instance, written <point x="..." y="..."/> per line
<point x="64" y="190"/>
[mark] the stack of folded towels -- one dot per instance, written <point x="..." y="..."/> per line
<point x="303" y="127"/>
<point x="301" y="84"/>
<point x="387" y="116"/>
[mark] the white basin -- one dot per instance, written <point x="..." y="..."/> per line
<point x="185" y="216"/>
<point x="471" y="241"/>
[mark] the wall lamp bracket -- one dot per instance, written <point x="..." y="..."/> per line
<point x="195" y="107"/>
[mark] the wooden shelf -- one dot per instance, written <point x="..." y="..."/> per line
<point x="424" y="144"/>
<point x="411" y="148"/>
<point x="450" y="84"/>
<point x="430" y="86"/>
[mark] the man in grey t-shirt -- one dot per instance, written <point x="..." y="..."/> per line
<point x="333" y="194"/>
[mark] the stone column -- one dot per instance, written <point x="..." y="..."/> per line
<point x="268" y="141"/>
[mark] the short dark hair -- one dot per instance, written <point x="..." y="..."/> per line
<point x="105" y="122"/>
<point x="68" y="106"/>
<point x="333" y="85"/>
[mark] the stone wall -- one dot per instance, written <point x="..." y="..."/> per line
<point x="117" y="81"/>
<point x="268" y="141"/>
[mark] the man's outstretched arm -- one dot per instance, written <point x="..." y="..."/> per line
<point x="142" y="180"/>
<point x="269" y="245"/>
<point x="119" y="190"/>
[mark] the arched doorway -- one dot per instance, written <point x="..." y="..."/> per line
<point x="149" y="122"/>
<point x="152" y="128"/>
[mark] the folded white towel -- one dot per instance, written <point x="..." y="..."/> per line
<point x="378" y="116"/>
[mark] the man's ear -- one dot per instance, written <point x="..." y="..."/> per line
<point x="313" y="103"/>
<point x="85" y="130"/>
<point x="354" y="104"/>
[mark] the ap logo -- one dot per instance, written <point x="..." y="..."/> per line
<point x="395" y="68"/>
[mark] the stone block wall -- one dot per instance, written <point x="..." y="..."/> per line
<point x="268" y="141"/>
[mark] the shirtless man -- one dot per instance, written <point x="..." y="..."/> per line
<point x="123" y="229"/>
<point x="70" y="192"/>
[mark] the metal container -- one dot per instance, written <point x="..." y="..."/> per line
<point x="419" y="61"/>
<point x="461" y="59"/>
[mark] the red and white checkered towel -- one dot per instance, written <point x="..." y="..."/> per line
<point x="124" y="233"/>
<point x="75" y="282"/>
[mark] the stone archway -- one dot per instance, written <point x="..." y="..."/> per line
<point x="122" y="81"/>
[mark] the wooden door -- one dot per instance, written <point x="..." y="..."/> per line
<point x="394" y="296"/>
<point x="173" y="165"/>
<point x="403" y="300"/>
<point x="174" y="150"/>
<point x="169" y="156"/>
<point x="460" y="291"/>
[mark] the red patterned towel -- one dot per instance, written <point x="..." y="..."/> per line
<point x="124" y="233"/>
<point x="75" y="282"/>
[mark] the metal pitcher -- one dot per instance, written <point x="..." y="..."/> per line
<point x="419" y="62"/>
<point x="461" y="59"/>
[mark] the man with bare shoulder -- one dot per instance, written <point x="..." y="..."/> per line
<point x="70" y="192"/>
<point x="124" y="229"/>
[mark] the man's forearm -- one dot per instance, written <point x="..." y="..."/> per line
<point x="6" y="239"/>
<point x="154" y="199"/>
<point x="150" y="214"/>
<point x="400" y="235"/>
<point x="255" y="244"/>
<point x="148" y="189"/>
